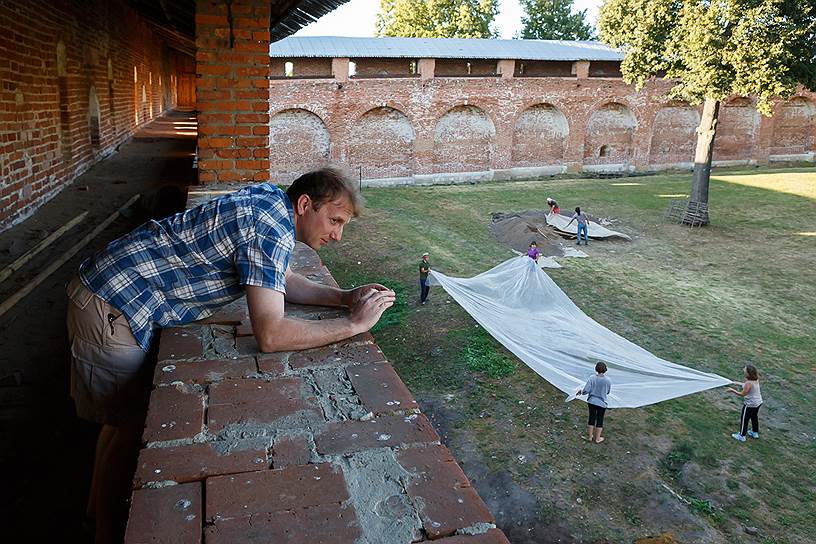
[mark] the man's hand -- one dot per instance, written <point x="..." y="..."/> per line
<point x="371" y="302"/>
<point x="352" y="297"/>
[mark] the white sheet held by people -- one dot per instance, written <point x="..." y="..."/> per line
<point x="523" y="308"/>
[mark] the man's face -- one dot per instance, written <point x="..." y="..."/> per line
<point x="317" y="228"/>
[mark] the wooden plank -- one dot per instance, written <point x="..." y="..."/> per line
<point x="28" y="255"/>
<point x="53" y="267"/>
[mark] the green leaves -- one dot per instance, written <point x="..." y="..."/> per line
<point x="437" y="18"/>
<point x="554" y="20"/>
<point x="716" y="49"/>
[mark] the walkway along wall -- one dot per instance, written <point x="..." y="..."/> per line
<point x="422" y="127"/>
<point x="321" y="445"/>
<point x="78" y="78"/>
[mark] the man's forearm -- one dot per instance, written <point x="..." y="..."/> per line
<point x="301" y="290"/>
<point x="295" y="334"/>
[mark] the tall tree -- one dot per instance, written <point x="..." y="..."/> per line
<point x="714" y="49"/>
<point x="437" y="18"/>
<point x="554" y="20"/>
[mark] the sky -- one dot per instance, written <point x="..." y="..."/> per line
<point x="358" y="18"/>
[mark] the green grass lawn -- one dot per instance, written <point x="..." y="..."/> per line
<point x="742" y="290"/>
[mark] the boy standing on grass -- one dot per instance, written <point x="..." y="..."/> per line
<point x="424" y="268"/>
<point x="597" y="388"/>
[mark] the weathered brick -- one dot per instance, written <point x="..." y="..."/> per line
<point x="168" y="515"/>
<point x="179" y="343"/>
<point x="268" y="491"/>
<point x="247" y="345"/>
<point x="379" y="388"/>
<point x="290" y="450"/>
<point x="194" y="462"/>
<point x="175" y="412"/>
<point x="271" y="363"/>
<point x="384" y="431"/>
<point x="323" y="524"/>
<point x="336" y="354"/>
<point x="203" y="372"/>
<point x="259" y="401"/>
<point x="493" y="536"/>
<point x="447" y="500"/>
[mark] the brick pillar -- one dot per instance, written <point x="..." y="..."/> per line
<point x="506" y="68"/>
<point x="426" y="68"/>
<point x="581" y="69"/>
<point x="232" y="90"/>
<point x="764" y="140"/>
<point x="340" y="69"/>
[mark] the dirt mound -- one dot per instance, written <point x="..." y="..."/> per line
<point x="517" y="230"/>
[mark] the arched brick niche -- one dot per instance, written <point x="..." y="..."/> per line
<point x="463" y="138"/>
<point x="674" y="134"/>
<point x="298" y="141"/>
<point x="382" y="142"/>
<point x="736" y="131"/>
<point x="794" y="127"/>
<point x="609" y="135"/>
<point x="539" y="136"/>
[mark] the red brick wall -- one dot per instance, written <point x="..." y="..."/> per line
<point x="47" y="136"/>
<point x="490" y="124"/>
<point x="382" y="67"/>
<point x="232" y="86"/>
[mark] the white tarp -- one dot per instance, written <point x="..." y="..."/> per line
<point x="531" y="316"/>
<point x="594" y="230"/>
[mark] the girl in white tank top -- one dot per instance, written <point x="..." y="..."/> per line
<point x="752" y="400"/>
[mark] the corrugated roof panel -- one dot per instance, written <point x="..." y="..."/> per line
<point x="441" y="48"/>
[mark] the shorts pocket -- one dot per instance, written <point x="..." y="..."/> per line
<point x="80" y="295"/>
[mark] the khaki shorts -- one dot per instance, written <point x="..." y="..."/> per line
<point x="110" y="383"/>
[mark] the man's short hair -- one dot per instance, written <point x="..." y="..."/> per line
<point x="327" y="184"/>
<point x="600" y="367"/>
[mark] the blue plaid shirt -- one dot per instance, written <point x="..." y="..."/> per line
<point x="183" y="268"/>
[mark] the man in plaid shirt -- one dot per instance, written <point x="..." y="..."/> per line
<point x="182" y="269"/>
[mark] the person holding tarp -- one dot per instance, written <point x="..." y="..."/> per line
<point x="554" y="207"/>
<point x="752" y="402"/>
<point x="583" y="224"/>
<point x="596" y="388"/>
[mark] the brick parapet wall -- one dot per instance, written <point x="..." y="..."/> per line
<point x="321" y="445"/>
<point x="232" y="88"/>
<point x="51" y="55"/>
<point x="505" y="127"/>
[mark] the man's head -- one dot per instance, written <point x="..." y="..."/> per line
<point x="324" y="201"/>
<point x="425" y="256"/>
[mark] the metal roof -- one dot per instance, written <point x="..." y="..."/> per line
<point x="441" y="48"/>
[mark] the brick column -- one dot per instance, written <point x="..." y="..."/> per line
<point x="764" y="139"/>
<point x="232" y="89"/>
<point x="426" y="68"/>
<point x="581" y="69"/>
<point x="506" y="68"/>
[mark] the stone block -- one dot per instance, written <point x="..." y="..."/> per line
<point x="336" y="355"/>
<point x="379" y="388"/>
<point x="175" y="412"/>
<point x="203" y="372"/>
<point x="193" y="462"/>
<point x="168" y="515"/>
<point x="382" y="432"/>
<point x="290" y="450"/>
<point x="324" y="524"/>
<point x="259" y="401"/>
<point x="179" y="343"/>
<point x="272" y="363"/>
<point x="269" y="491"/>
<point x="447" y="500"/>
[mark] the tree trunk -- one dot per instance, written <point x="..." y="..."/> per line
<point x="698" y="201"/>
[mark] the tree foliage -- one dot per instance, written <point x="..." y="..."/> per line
<point x="554" y="20"/>
<point x="716" y="48"/>
<point x="437" y="18"/>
